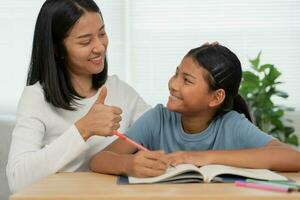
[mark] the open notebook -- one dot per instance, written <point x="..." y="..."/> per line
<point x="188" y="173"/>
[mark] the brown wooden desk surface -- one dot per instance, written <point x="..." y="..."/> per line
<point x="92" y="186"/>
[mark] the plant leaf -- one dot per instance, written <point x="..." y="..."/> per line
<point x="281" y="94"/>
<point x="250" y="83"/>
<point x="255" y="62"/>
<point x="258" y="87"/>
<point x="250" y="77"/>
<point x="264" y="67"/>
<point x="289" y="109"/>
<point x="288" y="130"/>
<point x="273" y="74"/>
<point x="277" y="114"/>
<point x="293" y="139"/>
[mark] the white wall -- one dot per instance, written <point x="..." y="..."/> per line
<point x="17" y="20"/>
<point x="149" y="38"/>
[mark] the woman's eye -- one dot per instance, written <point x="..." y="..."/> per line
<point x="85" y="43"/>
<point x="187" y="81"/>
<point x="102" y="34"/>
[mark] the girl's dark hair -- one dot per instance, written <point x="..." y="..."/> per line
<point x="47" y="66"/>
<point x="225" y="72"/>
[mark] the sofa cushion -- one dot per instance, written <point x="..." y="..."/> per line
<point x="6" y="127"/>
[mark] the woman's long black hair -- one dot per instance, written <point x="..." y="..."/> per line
<point x="47" y="66"/>
<point x="225" y="72"/>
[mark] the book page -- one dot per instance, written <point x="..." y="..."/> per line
<point x="171" y="172"/>
<point x="211" y="171"/>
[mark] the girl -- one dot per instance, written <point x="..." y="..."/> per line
<point x="205" y="122"/>
<point x="61" y="107"/>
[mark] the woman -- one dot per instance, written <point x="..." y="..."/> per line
<point x="69" y="97"/>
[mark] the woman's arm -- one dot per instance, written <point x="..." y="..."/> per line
<point x="275" y="156"/>
<point x="118" y="158"/>
<point x="30" y="157"/>
<point x="30" y="161"/>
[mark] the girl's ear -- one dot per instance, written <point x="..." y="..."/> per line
<point x="217" y="98"/>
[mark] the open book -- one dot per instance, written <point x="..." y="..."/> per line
<point x="184" y="173"/>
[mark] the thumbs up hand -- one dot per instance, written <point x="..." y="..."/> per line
<point x="101" y="119"/>
<point x="102" y="95"/>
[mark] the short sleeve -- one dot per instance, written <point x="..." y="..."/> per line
<point x="144" y="129"/>
<point x="249" y="135"/>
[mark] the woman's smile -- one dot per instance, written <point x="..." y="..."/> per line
<point x="96" y="60"/>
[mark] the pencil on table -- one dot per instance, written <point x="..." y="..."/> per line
<point x="261" y="186"/>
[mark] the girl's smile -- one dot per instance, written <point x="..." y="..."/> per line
<point x="174" y="98"/>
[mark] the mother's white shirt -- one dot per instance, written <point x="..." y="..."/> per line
<point x="45" y="139"/>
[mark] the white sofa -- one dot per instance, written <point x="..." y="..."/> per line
<point x="6" y="127"/>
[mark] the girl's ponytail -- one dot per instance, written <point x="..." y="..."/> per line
<point x="240" y="105"/>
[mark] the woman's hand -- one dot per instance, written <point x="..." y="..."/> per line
<point x="101" y="119"/>
<point x="208" y="44"/>
<point x="198" y="158"/>
<point x="146" y="164"/>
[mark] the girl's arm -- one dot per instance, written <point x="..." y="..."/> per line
<point x="275" y="156"/>
<point x="118" y="158"/>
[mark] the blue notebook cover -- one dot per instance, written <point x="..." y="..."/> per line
<point x="122" y="180"/>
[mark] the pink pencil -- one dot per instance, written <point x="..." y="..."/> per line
<point x="123" y="137"/>
<point x="261" y="186"/>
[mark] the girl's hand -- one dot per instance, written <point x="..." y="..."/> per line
<point x="147" y="164"/>
<point x="101" y="119"/>
<point x="198" y="158"/>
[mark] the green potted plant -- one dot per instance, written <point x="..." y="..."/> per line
<point x="258" y="88"/>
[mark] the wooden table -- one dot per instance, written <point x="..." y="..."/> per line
<point x="92" y="186"/>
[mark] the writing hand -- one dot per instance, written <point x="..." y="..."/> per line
<point x="198" y="158"/>
<point x="147" y="164"/>
<point x="101" y="119"/>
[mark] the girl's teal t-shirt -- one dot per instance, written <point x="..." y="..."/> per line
<point x="160" y="129"/>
